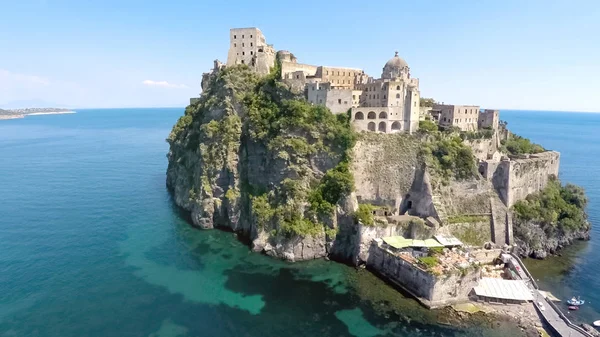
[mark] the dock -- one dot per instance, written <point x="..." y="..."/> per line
<point x="551" y="314"/>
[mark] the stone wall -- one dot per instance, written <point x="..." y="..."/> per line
<point x="287" y="68"/>
<point x="384" y="167"/>
<point x="515" y="179"/>
<point x="433" y="291"/>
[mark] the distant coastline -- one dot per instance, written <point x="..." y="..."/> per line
<point x="21" y="113"/>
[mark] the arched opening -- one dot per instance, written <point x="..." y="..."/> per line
<point x="371" y="126"/>
<point x="382" y="127"/>
<point x="409" y="205"/>
<point x="397" y="95"/>
<point x="397" y="87"/>
<point x="383" y="115"/>
<point x="359" y="115"/>
<point x="396" y="126"/>
<point x="372" y="115"/>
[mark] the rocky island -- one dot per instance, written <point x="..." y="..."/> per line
<point x="314" y="162"/>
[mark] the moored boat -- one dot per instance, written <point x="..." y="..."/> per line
<point x="573" y="307"/>
<point x="575" y="301"/>
<point x="597" y="323"/>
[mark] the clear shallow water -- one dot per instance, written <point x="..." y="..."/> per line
<point x="92" y="245"/>
<point x="577" y="137"/>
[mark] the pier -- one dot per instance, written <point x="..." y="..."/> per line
<point x="551" y="314"/>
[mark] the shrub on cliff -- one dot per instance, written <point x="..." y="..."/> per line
<point x="427" y="126"/>
<point x="449" y="157"/>
<point x="555" y="207"/>
<point x="364" y="214"/>
<point x="516" y="145"/>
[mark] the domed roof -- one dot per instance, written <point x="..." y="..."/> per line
<point x="396" y="62"/>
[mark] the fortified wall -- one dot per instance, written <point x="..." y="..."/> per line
<point x="431" y="290"/>
<point x="384" y="168"/>
<point x="514" y="179"/>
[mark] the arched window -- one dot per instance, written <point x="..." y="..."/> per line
<point x="396" y="126"/>
<point x="359" y="115"/>
<point x="382" y="127"/>
<point x="383" y="115"/>
<point x="371" y="126"/>
<point x="397" y="95"/>
<point x="371" y="115"/>
<point x="397" y="87"/>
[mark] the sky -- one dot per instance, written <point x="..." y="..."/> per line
<point x="509" y="54"/>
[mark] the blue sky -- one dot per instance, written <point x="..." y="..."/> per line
<point x="539" y="55"/>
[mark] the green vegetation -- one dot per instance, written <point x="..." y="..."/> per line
<point x="238" y="109"/>
<point x="426" y="102"/>
<point x="364" y="214"/>
<point x="556" y="206"/>
<point x="429" y="261"/>
<point x="427" y="126"/>
<point x="481" y="134"/>
<point x="516" y="145"/>
<point x="468" y="218"/>
<point x="449" y="157"/>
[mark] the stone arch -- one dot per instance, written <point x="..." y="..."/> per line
<point x="359" y="115"/>
<point x="372" y="115"/>
<point x="371" y="126"/>
<point x="383" y="115"/>
<point x="396" y="126"/>
<point x="382" y="127"/>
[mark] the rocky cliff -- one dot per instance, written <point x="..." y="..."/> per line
<point x="551" y="219"/>
<point x="253" y="157"/>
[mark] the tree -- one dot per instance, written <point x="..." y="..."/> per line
<point x="427" y="102"/>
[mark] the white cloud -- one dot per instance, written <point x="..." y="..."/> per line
<point x="163" y="84"/>
<point x="7" y="77"/>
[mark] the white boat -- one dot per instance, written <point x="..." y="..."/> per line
<point x="597" y="323"/>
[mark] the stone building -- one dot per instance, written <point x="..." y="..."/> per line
<point x="249" y="46"/>
<point x="465" y="117"/>
<point x="489" y="119"/>
<point x="391" y="103"/>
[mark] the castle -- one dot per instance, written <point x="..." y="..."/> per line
<point x="388" y="104"/>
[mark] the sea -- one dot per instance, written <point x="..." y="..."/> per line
<point x="91" y="244"/>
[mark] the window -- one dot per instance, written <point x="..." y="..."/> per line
<point x="234" y="36"/>
<point x="235" y="45"/>
<point x="313" y="88"/>
<point x="338" y="73"/>
<point x="344" y="73"/>
<point x="320" y="100"/>
<point x="251" y="44"/>
<point x="415" y="104"/>
<point x="242" y="44"/>
<point x="377" y="96"/>
<point x="346" y="102"/>
<point x="326" y="72"/>
<point x="397" y="87"/>
<point x="397" y="95"/>
<point x="339" y="101"/>
<point x="297" y="76"/>
<point x="243" y="53"/>
<point x="242" y="36"/>
<point x="250" y="35"/>
<point x="251" y="53"/>
<point x="383" y="96"/>
<point x="242" y="61"/>
<point x="353" y="96"/>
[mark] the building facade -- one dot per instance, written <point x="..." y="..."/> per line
<point x="465" y="117"/>
<point x="489" y="119"/>
<point x="248" y="46"/>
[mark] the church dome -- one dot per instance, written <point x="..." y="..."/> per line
<point x="394" y="68"/>
<point x="396" y="62"/>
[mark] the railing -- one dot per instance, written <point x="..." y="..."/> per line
<point x="567" y="321"/>
<point x="525" y="270"/>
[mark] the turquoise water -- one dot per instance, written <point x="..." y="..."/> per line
<point x="92" y="245"/>
<point x="577" y="137"/>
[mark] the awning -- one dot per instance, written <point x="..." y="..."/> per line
<point x="515" y="290"/>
